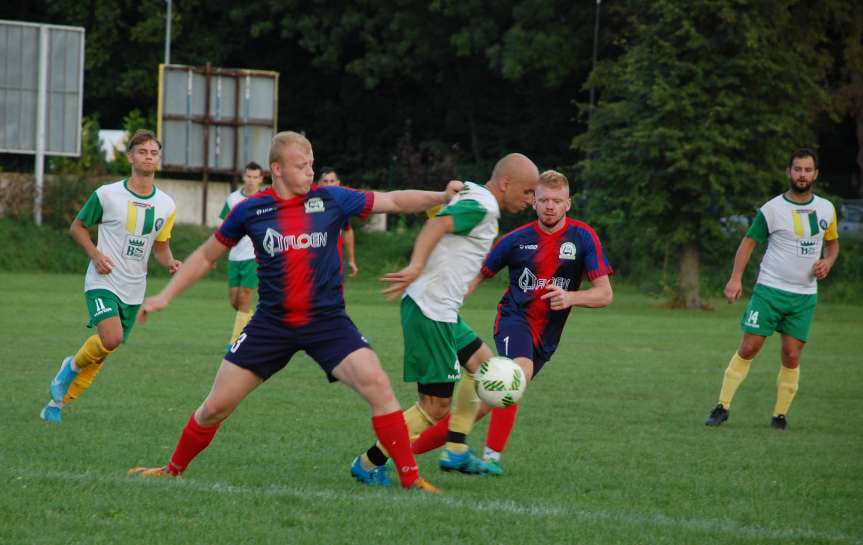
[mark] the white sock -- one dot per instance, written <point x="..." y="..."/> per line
<point x="490" y="454"/>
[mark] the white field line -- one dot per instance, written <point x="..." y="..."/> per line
<point x="397" y="497"/>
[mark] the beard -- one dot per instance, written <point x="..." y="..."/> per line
<point x="801" y="190"/>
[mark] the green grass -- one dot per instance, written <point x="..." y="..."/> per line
<point x="610" y="446"/>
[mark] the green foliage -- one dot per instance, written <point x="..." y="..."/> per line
<point x="696" y="119"/>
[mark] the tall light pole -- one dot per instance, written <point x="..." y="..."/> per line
<point x="168" y="34"/>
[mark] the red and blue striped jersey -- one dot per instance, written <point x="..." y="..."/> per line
<point x="537" y="259"/>
<point x="296" y="248"/>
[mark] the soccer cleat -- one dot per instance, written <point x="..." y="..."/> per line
<point x="718" y="415"/>
<point x="151" y="472"/>
<point x="493" y="467"/>
<point x="424" y="486"/>
<point x="372" y="477"/>
<point x="466" y="462"/>
<point x="778" y="422"/>
<point x="50" y="413"/>
<point x="62" y="380"/>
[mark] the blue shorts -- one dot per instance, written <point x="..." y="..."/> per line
<point x="266" y="345"/>
<point x="513" y="340"/>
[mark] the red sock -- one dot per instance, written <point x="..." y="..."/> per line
<point x="432" y="438"/>
<point x="393" y="435"/>
<point x="193" y="440"/>
<point x="500" y="427"/>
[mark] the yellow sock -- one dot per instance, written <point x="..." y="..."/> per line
<point x="92" y="351"/>
<point x="786" y="387"/>
<point x="737" y="370"/>
<point x="82" y="382"/>
<point x="463" y="414"/>
<point x="240" y="321"/>
<point x="417" y="421"/>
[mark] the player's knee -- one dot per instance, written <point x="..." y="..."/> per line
<point x="111" y="341"/>
<point x="210" y="414"/>
<point x="435" y="407"/>
<point x="790" y="358"/>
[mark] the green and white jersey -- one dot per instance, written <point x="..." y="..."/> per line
<point x="795" y="234"/>
<point x="244" y="249"/>
<point x="456" y="260"/>
<point x="128" y="225"/>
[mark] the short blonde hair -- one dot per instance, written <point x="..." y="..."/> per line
<point x="553" y="179"/>
<point x="284" y="139"/>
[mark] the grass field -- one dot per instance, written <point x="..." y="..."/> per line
<point x="610" y="446"/>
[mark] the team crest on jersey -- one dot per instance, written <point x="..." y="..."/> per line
<point x="314" y="205"/>
<point x="567" y="251"/>
<point x="823" y="224"/>
<point x="159" y="223"/>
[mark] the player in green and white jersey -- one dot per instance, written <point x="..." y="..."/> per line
<point x="134" y="218"/>
<point x="797" y="225"/>
<point x="447" y="255"/>
<point x="242" y="267"/>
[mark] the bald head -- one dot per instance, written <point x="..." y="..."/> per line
<point x="512" y="182"/>
<point x="514" y="166"/>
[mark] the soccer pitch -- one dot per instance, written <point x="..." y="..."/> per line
<point x="610" y="445"/>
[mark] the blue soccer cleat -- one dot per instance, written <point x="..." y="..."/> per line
<point x="466" y="462"/>
<point x="494" y="467"/>
<point x="50" y="413"/>
<point x="372" y="477"/>
<point x="62" y="380"/>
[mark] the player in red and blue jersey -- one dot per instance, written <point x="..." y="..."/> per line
<point x="547" y="260"/>
<point x="294" y="226"/>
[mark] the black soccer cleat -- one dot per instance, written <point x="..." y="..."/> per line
<point x="718" y="415"/>
<point x="778" y="422"/>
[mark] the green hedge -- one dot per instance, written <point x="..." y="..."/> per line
<point x="51" y="249"/>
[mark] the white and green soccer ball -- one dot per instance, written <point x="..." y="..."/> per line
<point x="500" y="382"/>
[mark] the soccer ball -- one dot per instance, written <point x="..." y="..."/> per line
<point x="500" y="382"/>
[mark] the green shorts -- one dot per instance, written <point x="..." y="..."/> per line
<point x="103" y="304"/>
<point x="243" y="274"/>
<point x="772" y="309"/>
<point x="431" y="348"/>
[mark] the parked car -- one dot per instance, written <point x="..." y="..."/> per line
<point x="850" y="225"/>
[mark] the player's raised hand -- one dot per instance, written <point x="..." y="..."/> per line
<point x="452" y="189"/>
<point x="103" y="264"/>
<point x="732" y="290"/>
<point x="150" y="305"/>
<point x="557" y="297"/>
<point x="399" y="281"/>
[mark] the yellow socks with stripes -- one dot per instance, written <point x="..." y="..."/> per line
<point x="240" y="321"/>
<point x="737" y="370"/>
<point x="88" y="361"/>
<point x="786" y="387"/>
<point x="463" y="414"/>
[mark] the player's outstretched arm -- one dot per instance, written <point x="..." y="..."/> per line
<point x="408" y="201"/>
<point x="164" y="256"/>
<point x="734" y="287"/>
<point x="193" y="269"/>
<point x="81" y="235"/>
<point x="431" y="233"/>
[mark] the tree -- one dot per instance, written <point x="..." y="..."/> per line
<point x="695" y="121"/>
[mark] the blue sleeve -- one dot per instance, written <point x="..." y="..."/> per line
<point x="353" y="202"/>
<point x="233" y="228"/>
<point x="595" y="262"/>
<point x="497" y="257"/>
